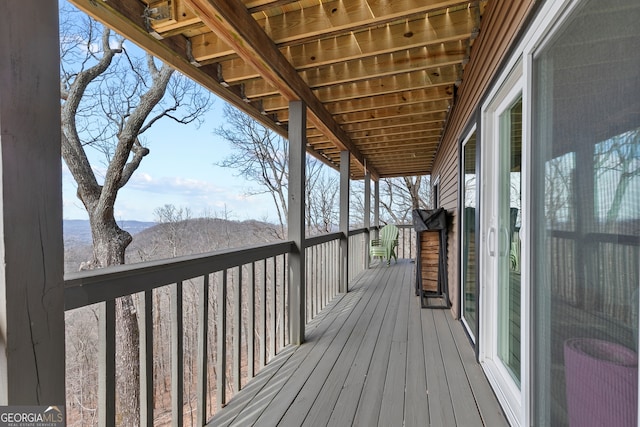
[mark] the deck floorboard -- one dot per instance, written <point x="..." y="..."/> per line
<point x="372" y="357"/>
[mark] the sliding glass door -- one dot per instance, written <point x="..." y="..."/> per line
<point x="469" y="259"/>
<point x="507" y="253"/>
<point x="501" y="220"/>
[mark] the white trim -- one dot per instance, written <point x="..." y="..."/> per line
<point x="462" y="224"/>
<point x="551" y="16"/>
<point x="508" y="392"/>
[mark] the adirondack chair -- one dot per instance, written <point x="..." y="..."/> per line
<point x="385" y="246"/>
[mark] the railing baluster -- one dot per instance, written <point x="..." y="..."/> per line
<point x="146" y="360"/>
<point x="203" y="349"/>
<point x="251" y="327"/>
<point x="274" y="306"/>
<point x="284" y="317"/>
<point x="263" y="316"/>
<point x="237" y="330"/>
<point x="177" y="356"/>
<point x="267" y="319"/>
<point x="107" y="364"/>
<point x="222" y="342"/>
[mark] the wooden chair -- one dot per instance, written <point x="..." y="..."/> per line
<point x="385" y="246"/>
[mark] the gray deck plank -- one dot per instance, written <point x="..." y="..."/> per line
<point x="372" y="357"/>
<point x="416" y="408"/>
<point x="322" y="352"/>
<point x="368" y="408"/>
<point x="245" y="408"/>
<point x="239" y="402"/>
<point x="333" y="363"/>
<point x="345" y="408"/>
<point x="440" y="407"/>
<point x="326" y="399"/>
<point x="393" y="396"/>
<point x="464" y="405"/>
<point x="490" y="411"/>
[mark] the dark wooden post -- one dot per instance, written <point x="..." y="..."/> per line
<point x="32" y="346"/>
<point x="344" y="220"/>
<point x="297" y="276"/>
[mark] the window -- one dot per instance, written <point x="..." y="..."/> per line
<point x="586" y="198"/>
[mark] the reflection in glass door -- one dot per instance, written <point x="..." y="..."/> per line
<point x="469" y="265"/>
<point x="509" y="223"/>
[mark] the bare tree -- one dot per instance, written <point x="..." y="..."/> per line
<point x="110" y="97"/>
<point x="260" y="156"/>
<point x="175" y="221"/>
<point x="617" y="164"/>
<point x="399" y="196"/>
<point x="322" y="188"/>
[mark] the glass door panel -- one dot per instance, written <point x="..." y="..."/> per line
<point x="469" y="258"/>
<point x="509" y="223"/>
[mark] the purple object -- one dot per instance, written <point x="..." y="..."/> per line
<point x="602" y="383"/>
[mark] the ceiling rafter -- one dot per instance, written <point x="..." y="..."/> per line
<point x="379" y="76"/>
<point x="234" y="23"/>
<point x="364" y="68"/>
<point x="350" y="45"/>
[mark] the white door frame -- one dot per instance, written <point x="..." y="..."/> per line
<point x="470" y="331"/>
<point x="508" y="392"/>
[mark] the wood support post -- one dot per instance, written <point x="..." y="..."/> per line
<point x="367" y="217"/>
<point x="297" y="163"/>
<point x="345" y="172"/>
<point x="376" y="208"/>
<point x="32" y="360"/>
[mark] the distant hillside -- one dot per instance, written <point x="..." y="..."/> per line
<point x="78" y="231"/>
<point x="159" y="241"/>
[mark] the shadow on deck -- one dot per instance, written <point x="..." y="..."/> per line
<point x="372" y="357"/>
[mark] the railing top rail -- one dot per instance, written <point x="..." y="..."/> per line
<point x="357" y="231"/>
<point x="90" y="287"/>
<point x="322" y="238"/>
<point x="621" y="239"/>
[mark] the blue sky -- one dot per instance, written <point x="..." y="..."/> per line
<point x="179" y="170"/>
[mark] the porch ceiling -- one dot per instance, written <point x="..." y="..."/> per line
<point x="378" y="76"/>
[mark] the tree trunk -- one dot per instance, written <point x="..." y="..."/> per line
<point x="109" y="245"/>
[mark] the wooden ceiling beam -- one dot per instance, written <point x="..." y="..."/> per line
<point x="371" y="64"/>
<point x="437" y="93"/>
<point x="257" y="6"/>
<point x="440" y="76"/>
<point x="431" y="129"/>
<point x="395" y="152"/>
<point x="313" y="29"/>
<point x="443" y="76"/>
<point x="383" y="113"/>
<point x="389" y="113"/>
<point x="128" y="18"/>
<point x="421" y="137"/>
<point x="233" y="23"/>
<point x="404" y="121"/>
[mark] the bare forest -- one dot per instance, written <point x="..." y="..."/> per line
<point x="175" y="235"/>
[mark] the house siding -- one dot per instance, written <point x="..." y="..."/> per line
<point x="502" y="22"/>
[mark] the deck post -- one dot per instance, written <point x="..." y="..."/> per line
<point x="376" y="208"/>
<point x="345" y="171"/>
<point x="367" y="216"/>
<point x="297" y="163"/>
<point x="32" y="350"/>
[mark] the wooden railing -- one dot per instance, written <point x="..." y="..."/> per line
<point x="322" y="256"/>
<point x="225" y="315"/>
<point x="358" y="251"/>
<point x="596" y="272"/>
<point x="406" y="241"/>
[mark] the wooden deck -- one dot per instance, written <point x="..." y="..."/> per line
<point x="373" y="357"/>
